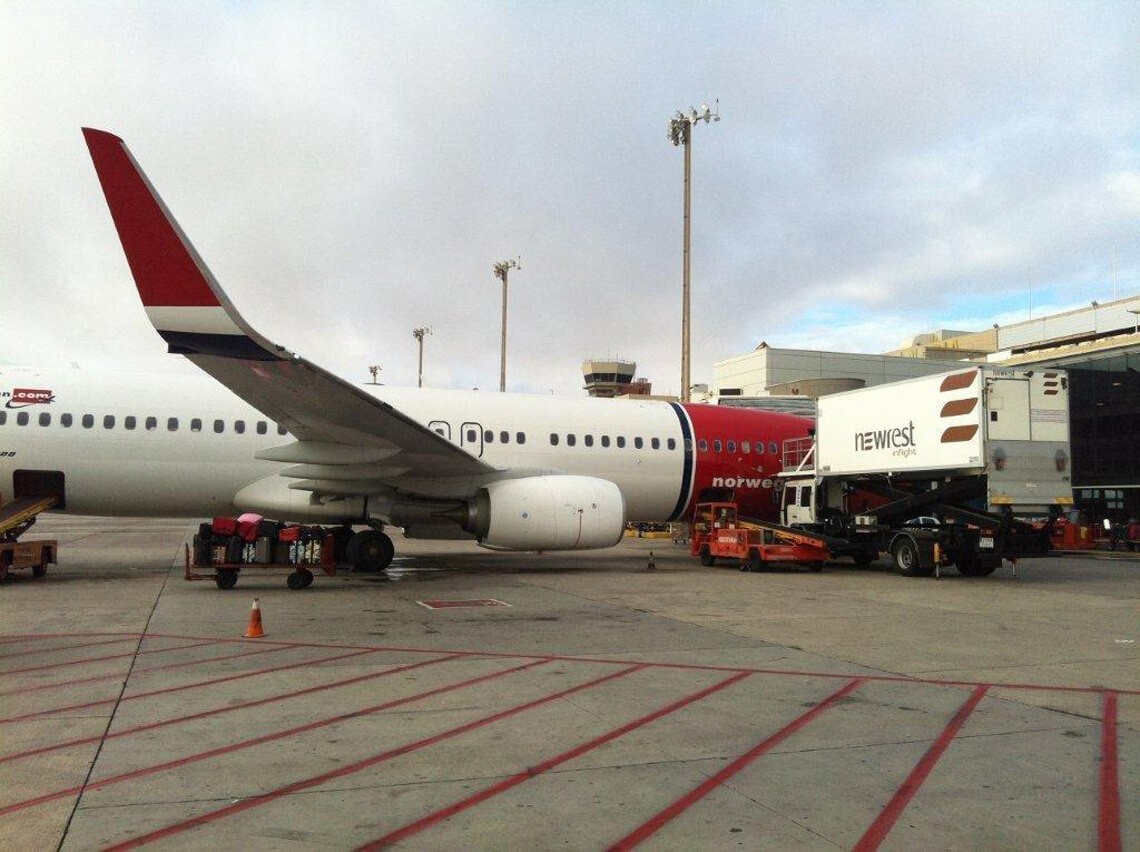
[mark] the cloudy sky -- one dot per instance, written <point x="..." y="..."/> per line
<point x="351" y="171"/>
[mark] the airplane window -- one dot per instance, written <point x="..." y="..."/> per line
<point x="605" y="440"/>
<point x="219" y="426"/>
<point x="688" y="445"/>
<point x="520" y="437"/>
<point x="655" y="443"/>
<point x="88" y="421"/>
<point x="239" y="427"/>
<point x="588" y="440"/>
<point x="671" y="443"/>
<point x="109" y="421"/>
<point x="488" y="436"/>
<point x="717" y="446"/>
<point x="3" y="417"/>
<point x="262" y="427"/>
<point x="759" y="448"/>
<point x="151" y="424"/>
<point x="196" y="424"/>
<point x="504" y="437"/>
<point x="745" y="447"/>
<point x="172" y="424"/>
<point x="472" y="436"/>
<point x="130" y="421"/>
<point x="281" y="430"/>
<point x="45" y="418"/>
<point x="621" y="442"/>
<point x="554" y="439"/>
<point x="64" y="420"/>
<point x="732" y="446"/>
<point x="703" y="445"/>
<point x="638" y="443"/>
<point x="571" y="440"/>
<point x="772" y="448"/>
<point x="22" y="418"/>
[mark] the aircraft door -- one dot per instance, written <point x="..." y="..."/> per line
<point x="471" y="438"/>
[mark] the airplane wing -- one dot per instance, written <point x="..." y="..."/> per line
<point x="333" y="421"/>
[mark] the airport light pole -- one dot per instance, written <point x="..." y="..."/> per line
<point x="502" y="269"/>
<point x="680" y="133"/>
<point x="418" y="334"/>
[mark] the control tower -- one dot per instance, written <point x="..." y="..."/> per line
<point x="610" y="377"/>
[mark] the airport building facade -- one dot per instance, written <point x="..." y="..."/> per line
<point x="1099" y="346"/>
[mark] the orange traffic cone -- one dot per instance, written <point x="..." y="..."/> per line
<point x="254" y="630"/>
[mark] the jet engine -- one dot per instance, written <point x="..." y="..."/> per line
<point x="548" y="513"/>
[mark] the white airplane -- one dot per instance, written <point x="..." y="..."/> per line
<point x="272" y="433"/>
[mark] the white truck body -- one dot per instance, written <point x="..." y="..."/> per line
<point x="1010" y="424"/>
<point x="943" y="469"/>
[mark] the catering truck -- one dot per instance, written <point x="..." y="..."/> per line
<point x="966" y="468"/>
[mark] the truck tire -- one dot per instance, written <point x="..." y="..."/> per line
<point x="907" y="563"/>
<point x="755" y="563"/>
<point x="973" y="566"/>
<point x="706" y="557"/>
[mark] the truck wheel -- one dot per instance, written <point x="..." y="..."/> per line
<point x="39" y="570"/>
<point x="972" y="566"/>
<point x="225" y="579"/>
<point x="755" y="563"/>
<point x="906" y="559"/>
<point x="706" y="557"/>
<point x="295" y="581"/>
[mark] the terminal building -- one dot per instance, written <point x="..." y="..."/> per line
<point x="1098" y="345"/>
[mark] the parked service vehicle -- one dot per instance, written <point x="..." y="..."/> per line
<point x="938" y="470"/>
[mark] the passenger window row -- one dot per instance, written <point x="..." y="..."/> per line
<point x="130" y="423"/>
<point x="604" y="441"/>
<point x="504" y="437"/>
<point x="746" y="447"/>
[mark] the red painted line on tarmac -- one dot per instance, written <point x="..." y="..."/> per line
<point x="655" y="824"/>
<point x="244" y="744"/>
<point x="118" y="676"/>
<point x="874" y="836"/>
<point x="28" y="652"/>
<point x="229" y="708"/>
<point x="514" y="780"/>
<point x="1108" y="825"/>
<point x="273" y="795"/>
<point x="967" y="684"/>
<point x="101" y="659"/>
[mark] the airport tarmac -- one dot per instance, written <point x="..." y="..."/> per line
<point x="577" y="701"/>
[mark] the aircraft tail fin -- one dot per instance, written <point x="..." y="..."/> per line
<point x="183" y="300"/>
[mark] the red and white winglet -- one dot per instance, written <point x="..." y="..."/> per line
<point x="183" y="300"/>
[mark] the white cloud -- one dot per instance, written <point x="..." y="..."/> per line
<point x="351" y="171"/>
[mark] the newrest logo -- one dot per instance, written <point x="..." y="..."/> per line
<point x="900" y="439"/>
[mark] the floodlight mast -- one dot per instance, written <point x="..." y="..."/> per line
<point x="418" y="334"/>
<point x="502" y="269"/>
<point x="680" y="134"/>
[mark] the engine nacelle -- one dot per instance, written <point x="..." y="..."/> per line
<point x="548" y="513"/>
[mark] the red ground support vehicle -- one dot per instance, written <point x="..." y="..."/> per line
<point x="718" y="533"/>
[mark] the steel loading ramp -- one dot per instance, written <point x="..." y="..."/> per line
<point x="19" y="514"/>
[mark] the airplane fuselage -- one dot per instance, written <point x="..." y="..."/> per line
<point x="183" y="446"/>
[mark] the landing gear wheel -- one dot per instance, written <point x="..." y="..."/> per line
<point x="225" y="579"/>
<point x="905" y="554"/>
<point x="370" y="551"/>
<point x="300" y="579"/>
<point x="706" y="558"/>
